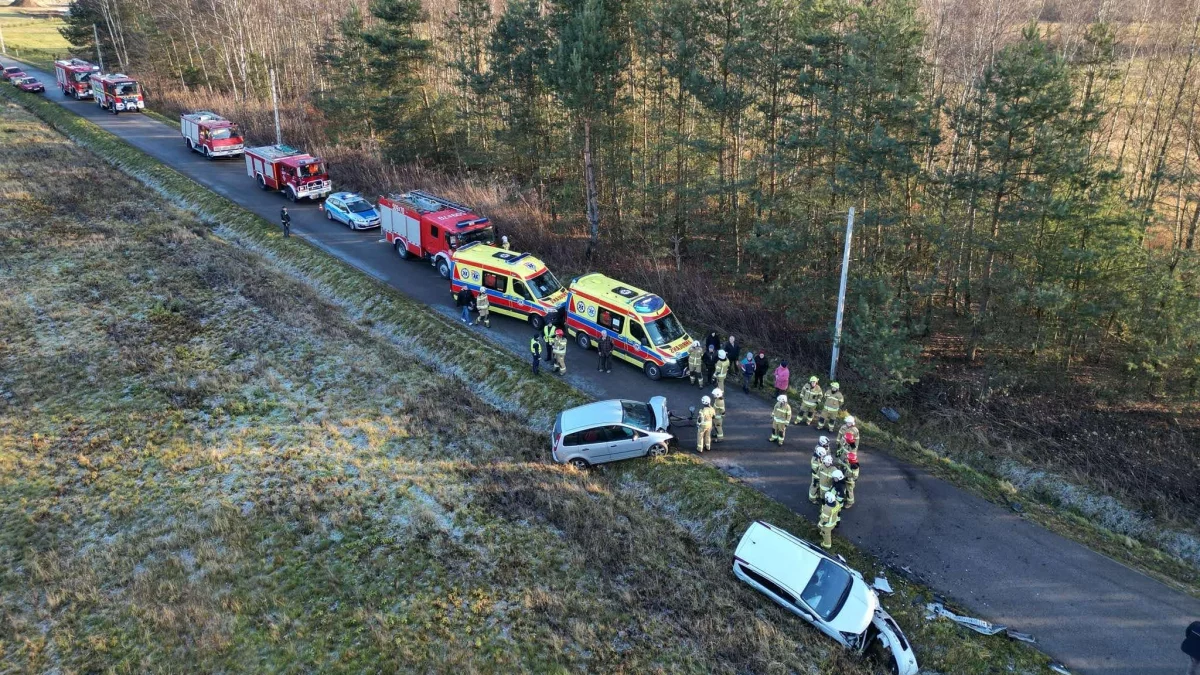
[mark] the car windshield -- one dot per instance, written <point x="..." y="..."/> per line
<point x="359" y="206"/>
<point x="223" y="134"/>
<point x="639" y="415"/>
<point x="23" y="80"/>
<point x="545" y="284"/>
<point x="827" y="589"/>
<point x="125" y="89"/>
<point x="485" y="234"/>
<point x="665" y="330"/>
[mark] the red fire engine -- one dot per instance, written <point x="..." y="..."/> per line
<point x="72" y="77"/>
<point x="419" y="224"/>
<point x="282" y="168"/>
<point x="210" y="134"/>
<point x="116" y="92"/>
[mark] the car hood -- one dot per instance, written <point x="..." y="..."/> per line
<point x="366" y="215"/>
<point x="659" y="404"/>
<point x="858" y="610"/>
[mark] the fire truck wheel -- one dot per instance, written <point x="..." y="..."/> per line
<point x="262" y="182"/>
<point x="443" y="268"/>
<point x="402" y="249"/>
<point x="291" y="194"/>
<point x="583" y="340"/>
<point x="188" y="143"/>
<point x="536" y="321"/>
<point x="206" y="152"/>
<point x="652" y="371"/>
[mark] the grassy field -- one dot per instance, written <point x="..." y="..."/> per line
<point x="232" y="453"/>
<point x="32" y="35"/>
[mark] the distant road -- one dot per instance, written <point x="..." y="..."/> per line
<point x="1091" y="613"/>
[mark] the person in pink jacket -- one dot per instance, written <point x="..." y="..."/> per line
<point x="782" y="374"/>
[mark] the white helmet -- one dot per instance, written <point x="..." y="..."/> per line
<point x="718" y="393"/>
<point x="821" y="452"/>
<point x="782" y="398"/>
<point x="837" y="474"/>
<point x="504" y="238"/>
<point x="827" y="460"/>
<point x="705" y="400"/>
<point x="720" y="353"/>
<point x="695" y="344"/>
<point x="850" y="420"/>
<point x="830" y="497"/>
<point x="824" y="441"/>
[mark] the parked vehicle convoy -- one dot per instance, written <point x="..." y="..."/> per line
<point x="351" y="209"/>
<point x="644" y="331"/>
<point x="821" y="590"/>
<point x="12" y="71"/>
<point x="116" y="92"/>
<point x="607" y="431"/>
<point x="30" y="84"/>
<point x="428" y="227"/>
<point x="210" y="134"/>
<point x="72" y="75"/>
<point x="282" y="168"/>
<point x="517" y="284"/>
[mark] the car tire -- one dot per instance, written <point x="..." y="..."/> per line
<point x="657" y="450"/>
<point x="582" y="339"/>
<point x="402" y="249"/>
<point x="652" y="371"/>
<point x="579" y="463"/>
<point x="537" y="321"/>
<point x="443" y="268"/>
<point x="328" y="214"/>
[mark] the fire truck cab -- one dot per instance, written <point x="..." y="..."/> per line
<point x="116" y="92"/>
<point x="72" y="75"/>
<point x="282" y="168"/>
<point x="210" y="134"/>
<point x="421" y="225"/>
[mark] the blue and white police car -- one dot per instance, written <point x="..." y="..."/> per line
<point x="350" y="208"/>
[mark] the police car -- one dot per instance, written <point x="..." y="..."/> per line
<point x="350" y="208"/>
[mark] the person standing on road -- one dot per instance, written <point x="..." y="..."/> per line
<point x="696" y="364"/>
<point x="560" y="352"/>
<point x="535" y="353"/>
<point x="285" y="221"/>
<point x="810" y="398"/>
<point x="482" y="304"/>
<point x="704" y="422"/>
<point x="782" y="376"/>
<point x="722" y="369"/>
<point x="733" y="350"/>
<point x="828" y="519"/>
<point x="1191" y="647"/>
<point x="710" y="364"/>
<point x="464" y="300"/>
<point x="833" y="404"/>
<point x="760" y="369"/>
<point x="780" y="414"/>
<point x="713" y="341"/>
<point x="719" y="413"/>
<point x="851" y="470"/>
<point x="814" y="465"/>
<point x="848" y="428"/>
<point x="605" y="348"/>
<point x="748" y="370"/>
<point x="548" y="336"/>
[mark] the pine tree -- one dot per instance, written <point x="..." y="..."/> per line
<point x="469" y="27"/>
<point x="519" y="49"/>
<point x="402" y="108"/>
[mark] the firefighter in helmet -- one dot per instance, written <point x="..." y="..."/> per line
<point x="696" y="364"/>
<point x="719" y="409"/>
<point x="704" y="422"/>
<point x="560" y="352"/>
<point x="780" y="415"/>
<point x="834" y="400"/>
<point x="810" y="396"/>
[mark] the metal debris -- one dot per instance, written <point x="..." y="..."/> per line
<point x="1017" y="507"/>
<point x="1023" y="637"/>
<point x="890" y="414"/>
<point x="1059" y="668"/>
<point x="881" y="584"/>
<point x="936" y="609"/>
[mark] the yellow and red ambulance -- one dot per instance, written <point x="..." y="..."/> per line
<point x="517" y="284"/>
<point x="644" y="331"/>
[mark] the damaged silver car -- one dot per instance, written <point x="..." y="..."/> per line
<point x="820" y="590"/>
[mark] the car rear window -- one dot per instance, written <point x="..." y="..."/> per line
<point x="637" y="415"/>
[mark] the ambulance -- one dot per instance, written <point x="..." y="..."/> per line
<point x="644" y="331"/>
<point x="517" y="284"/>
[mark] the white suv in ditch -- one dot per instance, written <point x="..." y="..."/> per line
<point x="820" y="590"/>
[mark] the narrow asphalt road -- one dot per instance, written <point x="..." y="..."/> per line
<point x="1087" y="611"/>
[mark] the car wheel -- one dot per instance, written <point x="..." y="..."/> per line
<point x="402" y="249"/>
<point x="582" y="339"/>
<point x="443" y="268"/>
<point x="657" y="450"/>
<point x="537" y="321"/>
<point x="580" y="463"/>
<point x="328" y="213"/>
<point x="652" y="370"/>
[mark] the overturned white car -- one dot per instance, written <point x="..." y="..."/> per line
<point x="821" y="590"/>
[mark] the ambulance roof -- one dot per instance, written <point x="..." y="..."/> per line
<point x="478" y="254"/>
<point x="620" y="294"/>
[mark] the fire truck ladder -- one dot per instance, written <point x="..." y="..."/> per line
<point x="445" y="203"/>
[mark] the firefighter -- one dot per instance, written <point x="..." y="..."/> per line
<point x="824" y="443"/>
<point x="833" y="404"/>
<point x="779" y="418"/>
<point x="285" y="221"/>
<point x="548" y="338"/>
<point x="719" y="410"/>
<point x="814" y="464"/>
<point x="722" y="369"/>
<point x="851" y="471"/>
<point x="482" y="304"/>
<point x="810" y="395"/>
<point x="825" y="474"/>
<point x="848" y="445"/>
<point x="535" y="353"/>
<point x="848" y="427"/>
<point x="560" y="352"/>
<point x="696" y="364"/>
<point x="838" y="481"/>
<point x="828" y="519"/>
<point x="504" y="243"/>
<point x="704" y="422"/>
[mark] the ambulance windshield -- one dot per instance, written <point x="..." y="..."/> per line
<point x="664" y="330"/>
<point x="545" y="285"/>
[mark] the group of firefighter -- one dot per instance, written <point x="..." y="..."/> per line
<point x="834" y="466"/>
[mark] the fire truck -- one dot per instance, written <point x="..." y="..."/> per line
<point x="421" y="225"/>
<point x="282" y="168"/>
<point x="116" y="92"/>
<point x="210" y="134"/>
<point x="72" y="77"/>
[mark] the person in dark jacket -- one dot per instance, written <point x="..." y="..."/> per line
<point x="605" y="348"/>
<point x="285" y="221"/>
<point x="710" y="363"/>
<point x="733" y="350"/>
<point x="747" y="367"/>
<point x="760" y="369"/>
<point x="464" y="300"/>
<point x="713" y="340"/>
